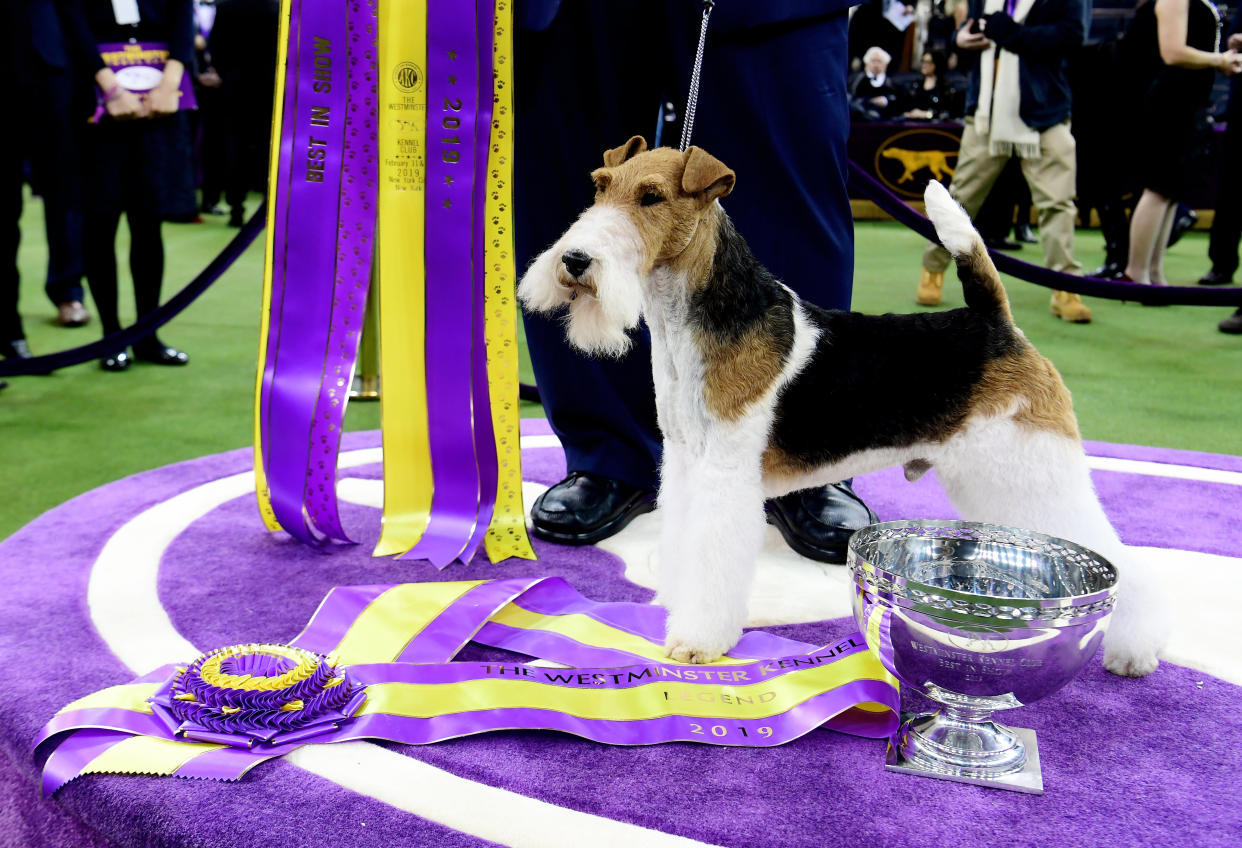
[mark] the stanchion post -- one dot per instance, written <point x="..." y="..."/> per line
<point x="367" y="381"/>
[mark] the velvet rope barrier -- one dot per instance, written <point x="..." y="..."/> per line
<point x="150" y="322"/>
<point x="879" y="194"/>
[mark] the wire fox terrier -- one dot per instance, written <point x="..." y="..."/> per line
<point x="759" y="393"/>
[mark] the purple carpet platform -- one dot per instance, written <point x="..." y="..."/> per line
<point x="176" y="558"/>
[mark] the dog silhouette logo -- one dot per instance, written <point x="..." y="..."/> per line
<point x="908" y="160"/>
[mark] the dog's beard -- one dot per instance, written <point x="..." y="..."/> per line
<point x="606" y="301"/>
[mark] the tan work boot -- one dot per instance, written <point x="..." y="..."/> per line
<point x="1069" y="307"/>
<point x="930" y="285"/>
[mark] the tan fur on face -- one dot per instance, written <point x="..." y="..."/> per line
<point x="678" y="233"/>
<point x="689" y="183"/>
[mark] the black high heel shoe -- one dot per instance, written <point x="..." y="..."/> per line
<point x="116" y="362"/>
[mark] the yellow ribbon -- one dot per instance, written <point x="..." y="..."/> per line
<point x="401" y="273"/>
<point x="273" y="185"/>
<point x="662" y="697"/>
<point x="506" y="535"/>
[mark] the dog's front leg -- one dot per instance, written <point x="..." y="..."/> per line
<point x="672" y="504"/>
<point x="717" y="537"/>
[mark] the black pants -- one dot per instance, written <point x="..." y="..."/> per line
<point x="1227" y="225"/>
<point x="10" y="319"/>
<point x="996" y="217"/>
<point x="49" y="142"/>
<point x="772" y="106"/>
<point x="146" y="262"/>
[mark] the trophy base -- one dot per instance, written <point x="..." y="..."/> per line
<point x="366" y="387"/>
<point x="1029" y="779"/>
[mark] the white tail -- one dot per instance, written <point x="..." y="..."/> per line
<point x="952" y="223"/>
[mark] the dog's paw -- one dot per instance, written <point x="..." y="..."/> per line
<point x="699" y="644"/>
<point x="689" y="653"/>
<point x="1130" y="664"/>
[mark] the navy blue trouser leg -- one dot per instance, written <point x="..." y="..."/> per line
<point x="772" y="106"/>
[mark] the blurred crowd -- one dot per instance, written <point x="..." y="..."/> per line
<point x="1104" y="74"/>
<point x="1069" y="85"/>
<point x="98" y="140"/>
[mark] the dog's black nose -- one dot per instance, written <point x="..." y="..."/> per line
<point x="576" y="262"/>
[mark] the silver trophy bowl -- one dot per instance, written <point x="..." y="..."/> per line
<point x="978" y="618"/>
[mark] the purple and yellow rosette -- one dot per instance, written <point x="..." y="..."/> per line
<point x="374" y="662"/>
<point x="244" y="695"/>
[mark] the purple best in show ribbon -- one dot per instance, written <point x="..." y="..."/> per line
<point x="309" y="258"/>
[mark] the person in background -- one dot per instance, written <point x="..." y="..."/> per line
<point x="1019" y="104"/>
<point x="931" y="98"/>
<point x="772" y="106"/>
<point x="883" y="24"/>
<point x="1174" y="47"/>
<point x="1008" y="207"/>
<point x="133" y="158"/>
<point x="210" y="130"/>
<point x="42" y="79"/>
<point x="243" y="51"/>
<point x="873" y="97"/>
<point x="1227" y="225"/>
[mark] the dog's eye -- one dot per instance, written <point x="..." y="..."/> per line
<point x="651" y="199"/>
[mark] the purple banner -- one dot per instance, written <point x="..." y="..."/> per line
<point x="355" y="236"/>
<point x="452" y="91"/>
<point x="318" y="31"/>
<point x="484" y="435"/>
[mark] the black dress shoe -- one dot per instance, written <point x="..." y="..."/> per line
<point x="237" y="217"/>
<point x="1216" y="278"/>
<point x="1110" y="270"/>
<point x="585" y="508"/>
<point x="116" y="362"/>
<point x="818" y="523"/>
<point x="1232" y="324"/>
<point x="1024" y="234"/>
<point x="161" y="354"/>
<point x="1002" y="244"/>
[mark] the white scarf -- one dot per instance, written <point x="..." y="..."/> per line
<point x="1000" y="99"/>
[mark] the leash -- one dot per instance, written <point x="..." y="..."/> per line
<point x="692" y="101"/>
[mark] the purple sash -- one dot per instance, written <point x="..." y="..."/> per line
<point x="139" y="67"/>
<point x="401" y="686"/>
<point x="484" y="435"/>
<point x="452" y="303"/>
<point x="354" y="238"/>
<point x="324" y="225"/>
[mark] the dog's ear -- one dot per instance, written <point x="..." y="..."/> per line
<point x="705" y="176"/>
<point x="627" y="151"/>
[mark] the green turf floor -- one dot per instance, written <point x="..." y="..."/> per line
<point x="1155" y="376"/>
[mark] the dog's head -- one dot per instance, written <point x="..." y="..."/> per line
<point x="649" y="205"/>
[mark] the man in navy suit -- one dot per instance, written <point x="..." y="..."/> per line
<point x="773" y="106"/>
